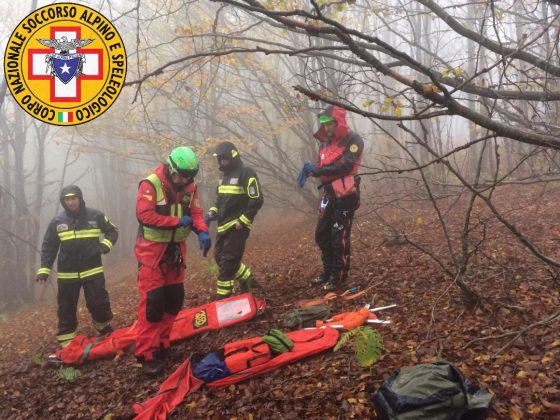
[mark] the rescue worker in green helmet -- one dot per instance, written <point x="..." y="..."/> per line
<point x="340" y="154"/>
<point x="168" y="209"/>
<point x="239" y="198"/>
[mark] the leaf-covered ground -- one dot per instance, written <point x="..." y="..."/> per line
<point x="430" y="323"/>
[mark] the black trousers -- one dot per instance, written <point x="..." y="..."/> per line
<point x="228" y="253"/>
<point x="332" y="234"/>
<point x="97" y="302"/>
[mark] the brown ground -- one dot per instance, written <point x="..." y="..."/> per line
<point x="430" y="323"/>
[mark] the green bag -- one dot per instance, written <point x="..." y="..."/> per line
<point x="297" y="319"/>
<point x="434" y="391"/>
<point x="278" y="342"/>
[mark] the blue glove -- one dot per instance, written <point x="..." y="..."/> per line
<point x="210" y="217"/>
<point x="309" y="168"/>
<point x="204" y="242"/>
<point x="185" y="221"/>
<point x="302" y="177"/>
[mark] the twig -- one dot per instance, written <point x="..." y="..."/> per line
<point x="516" y="333"/>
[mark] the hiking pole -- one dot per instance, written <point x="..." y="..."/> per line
<point x="336" y="327"/>
<point x="380" y="308"/>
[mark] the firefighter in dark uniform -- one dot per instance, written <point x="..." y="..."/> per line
<point x="340" y="154"/>
<point x="75" y="235"/>
<point x="239" y="198"/>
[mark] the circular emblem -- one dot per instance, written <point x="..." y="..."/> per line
<point x="200" y="319"/>
<point x="354" y="148"/>
<point x="65" y="64"/>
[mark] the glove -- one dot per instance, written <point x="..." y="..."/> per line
<point x="41" y="278"/>
<point x="209" y="217"/>
<point x="185" y="221"/>
<point x="302" y="177"/>
<point x="104" y="249"/>
<point x="204" y="242"/>
<point x="309" y="168"/>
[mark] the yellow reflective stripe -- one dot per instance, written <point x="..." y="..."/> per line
<point x="213" y="209"/>
<point x="82" y="274"/>
<point x="89" y="233"/>
<point x="226" y="226"/>
<point x="79" y="234"/>
<point x="44" y="270"/>
<point x="230" y="189"/>
<point x="224" y="291"/>
<point x="246" y="275"/>
<point x="225" y="283"/>
<point x="100" y="325"/>
<point x="156" y="182"/>
<point x="64" y="339"/>
<point x="64" y="236"/>
<point x="108" y="243"/>
<point x="243" y="273"/>
<point x="68" y="275"/>
<point x="242" y="268"/>
<point x="91" y="272"/>
<point x="111" y="223"/>
<point x="245" y="220"/>
<point x="253" y="188"/>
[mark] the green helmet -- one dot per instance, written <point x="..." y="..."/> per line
<point x="183" y="161"/>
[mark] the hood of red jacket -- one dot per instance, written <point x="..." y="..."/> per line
<point x="339" y="114"/>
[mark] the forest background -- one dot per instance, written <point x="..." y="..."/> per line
<point x="457" y="103"/>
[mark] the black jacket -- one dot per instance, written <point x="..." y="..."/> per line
<point x="75" y="237"/>
<point x="239" y="197"/>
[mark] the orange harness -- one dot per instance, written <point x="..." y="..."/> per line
<point x="351" y="320"/>
<point x="347" y="295"/>
<point x="348" y="320"/>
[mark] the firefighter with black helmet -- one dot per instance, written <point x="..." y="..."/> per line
<point x="75" y="236"/>
<point x="168" y="209"/>
<point x="239" y="198"/>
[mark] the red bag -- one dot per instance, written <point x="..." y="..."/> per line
<point x="245" y="354"/>
<point x="344" y="186"/>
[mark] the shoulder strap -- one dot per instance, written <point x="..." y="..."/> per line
<point x="158" y="186"/>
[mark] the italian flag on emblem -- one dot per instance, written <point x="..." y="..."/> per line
<point x="65" y="117"/>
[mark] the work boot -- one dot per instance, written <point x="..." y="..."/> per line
<point x="164" y="352"/>
<point x="333" y="284"/>
<point x="320" y="279"/>
<point x="108" y="329"/>
<point x="152" y="367"/>
<point x="246" y="285"/>
<point x="52" y="360"/>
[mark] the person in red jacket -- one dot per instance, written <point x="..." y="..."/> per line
<point x="167" y="208"/>
<point x="340" y="154"/>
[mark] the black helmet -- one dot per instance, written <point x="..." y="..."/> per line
<point x="226" y="150"/>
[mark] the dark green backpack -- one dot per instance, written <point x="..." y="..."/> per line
<point x="434" y="391"/>
<point x="297" y="319"/>
<point x="278" y="342"/>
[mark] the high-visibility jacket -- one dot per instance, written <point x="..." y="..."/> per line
<point x="76" y="238"/>
<point x="166" y="208"/>
<point x="239" y="197"/>
<point x="342" y="155"/>
<point x="158" y="209"/>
